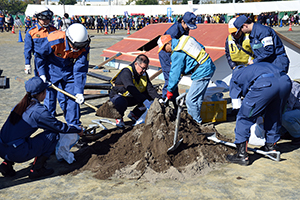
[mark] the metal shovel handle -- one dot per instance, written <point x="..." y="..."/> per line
<point x="274" y="155"/>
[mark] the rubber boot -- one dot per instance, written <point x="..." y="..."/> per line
<point x="38" y="169"/>
<point x="269" y="147"/>
<point x="241" y="157"/>
<point x="6" y="168"/>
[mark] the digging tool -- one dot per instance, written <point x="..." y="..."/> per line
<point x="72" y="96"/>
<point x="175" y="142"/>
<point x="62" y="91"/>
<point x="108" y="121"/>
<point x="156" y="74"/>
<point x="98" y="122"/>
<point x="274" y="155"/>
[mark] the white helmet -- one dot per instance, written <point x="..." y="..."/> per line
<point x="78" y="36"/>
<point x="43" y="13"/>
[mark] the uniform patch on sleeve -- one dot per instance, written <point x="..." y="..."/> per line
<point x="267" y="41"/>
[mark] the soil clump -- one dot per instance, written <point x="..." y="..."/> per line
<point x="141" y="152"/>
<point x="108" y="110"/>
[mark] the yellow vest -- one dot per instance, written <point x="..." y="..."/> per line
<point x="141" y="85"/>
<point x="239" y="56"/>
<point x="191" y="47"/>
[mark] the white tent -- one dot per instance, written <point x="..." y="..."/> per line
<point x="228" y="8"/>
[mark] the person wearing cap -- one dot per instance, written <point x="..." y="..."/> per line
<point x="36" y="35"/>
<point x="29" y="115"/>
<point x="188" y="57"/>
<point x="237" y="47"/>
<point x="132" y="87"/>
<point x="265" y="89"/>
<point x="265" y="43"/>
<point x="27" y="24"/>
<point x="178" y="29"/>
<point x="63" y="61"/>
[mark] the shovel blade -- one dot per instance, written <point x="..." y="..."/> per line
<point x="175" y="146"/>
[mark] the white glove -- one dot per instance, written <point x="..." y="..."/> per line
<point x="43" y="77"/>
<point x="147" y="103"/>
<point x="161" y="101"/>
<point x="27" y="69"/>
<point x="79" y="98"/>
<point x="236" y="103"/>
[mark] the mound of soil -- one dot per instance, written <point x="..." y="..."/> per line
<point x="141" y="152"/>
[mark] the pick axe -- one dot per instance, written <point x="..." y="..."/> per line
<point x="62" y="91"/>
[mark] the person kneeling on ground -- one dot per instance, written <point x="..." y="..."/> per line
<point x="132" y="86"/>
<point x="265" y="89"/>
<point x="16" y="145"/>
<point x="188" y="57"/>
<point x="291" y="116"/>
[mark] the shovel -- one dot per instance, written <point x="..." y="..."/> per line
<point x="274" y="155"/>
<point x="175" y="142"/>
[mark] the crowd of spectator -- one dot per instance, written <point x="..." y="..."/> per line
<point x="106" y="24"/>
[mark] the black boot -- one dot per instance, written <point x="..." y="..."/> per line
<point x="241" y="157"/>
<point x="38" y="169"/>
<point x="269" y="147"/>
<point x="6" y="168"/>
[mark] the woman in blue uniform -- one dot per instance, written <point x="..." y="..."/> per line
<point x="26" y="118"/>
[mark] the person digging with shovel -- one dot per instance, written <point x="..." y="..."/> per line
<point x="188" y="57"/>
<point x="265" y="89"/>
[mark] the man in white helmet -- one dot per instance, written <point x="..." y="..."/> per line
<point x="35" y="36"/>
<point x="64" y="62"/>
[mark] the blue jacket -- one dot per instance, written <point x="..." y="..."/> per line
<point x="265" y="51"/>
<point x="34" y="40"/>
<point x="176" y="31"/>
<point x="36" y="116"/>
<point x="58" y="62"/>
<point x="184" y="64"/>
<point x="244" y="77"/>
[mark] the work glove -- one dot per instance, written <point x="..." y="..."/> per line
<point x="236" y="103"/>
<point x="169" y="95"/>
<point x="147" y="103"/>
<point x="43" y="77"/>
<point x="79" y="98"/>
<point x="27" y="69"/>
<point x="161" y="101"/>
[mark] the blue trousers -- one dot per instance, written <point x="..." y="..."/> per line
<point x="70" y="108"/>
<point x="42" y="144"/>
<point x="195" y="97"/>
<point x="266" y="97"/>
<point x="50" y="100"/>
<point x="165" y="62"/>
<point x="291" y="122"/>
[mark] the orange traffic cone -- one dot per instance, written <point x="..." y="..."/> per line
<point x="105" y="31"/>
<point x="128" y="30"/>
<point x="13" y="29"/>
<point x="290" y="27"/>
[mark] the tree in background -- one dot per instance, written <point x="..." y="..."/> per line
<point x="67" y="2"/>
<point x="146" y="2"/>
<point x="16" y="6"/>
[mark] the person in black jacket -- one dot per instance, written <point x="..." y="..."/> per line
<point x="132" y="86"/>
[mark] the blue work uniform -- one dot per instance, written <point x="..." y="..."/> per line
<point x="16" y="143"/>
<point x="176" y="31"/>
<point x="105" y="22"/>
<point x="202" y="70"/>
<point x="113" y="22"/>
<point x="2" y="20"/>
<point x="65" y="69"/>
<point x="267" y="47"/>
<point x="34" y="39"/>
<point x="27" y="24"/>
<point x="265" y="89"/>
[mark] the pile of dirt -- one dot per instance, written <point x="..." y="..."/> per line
<point x="141" y="152"/>
<point x="108" y="110"/>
